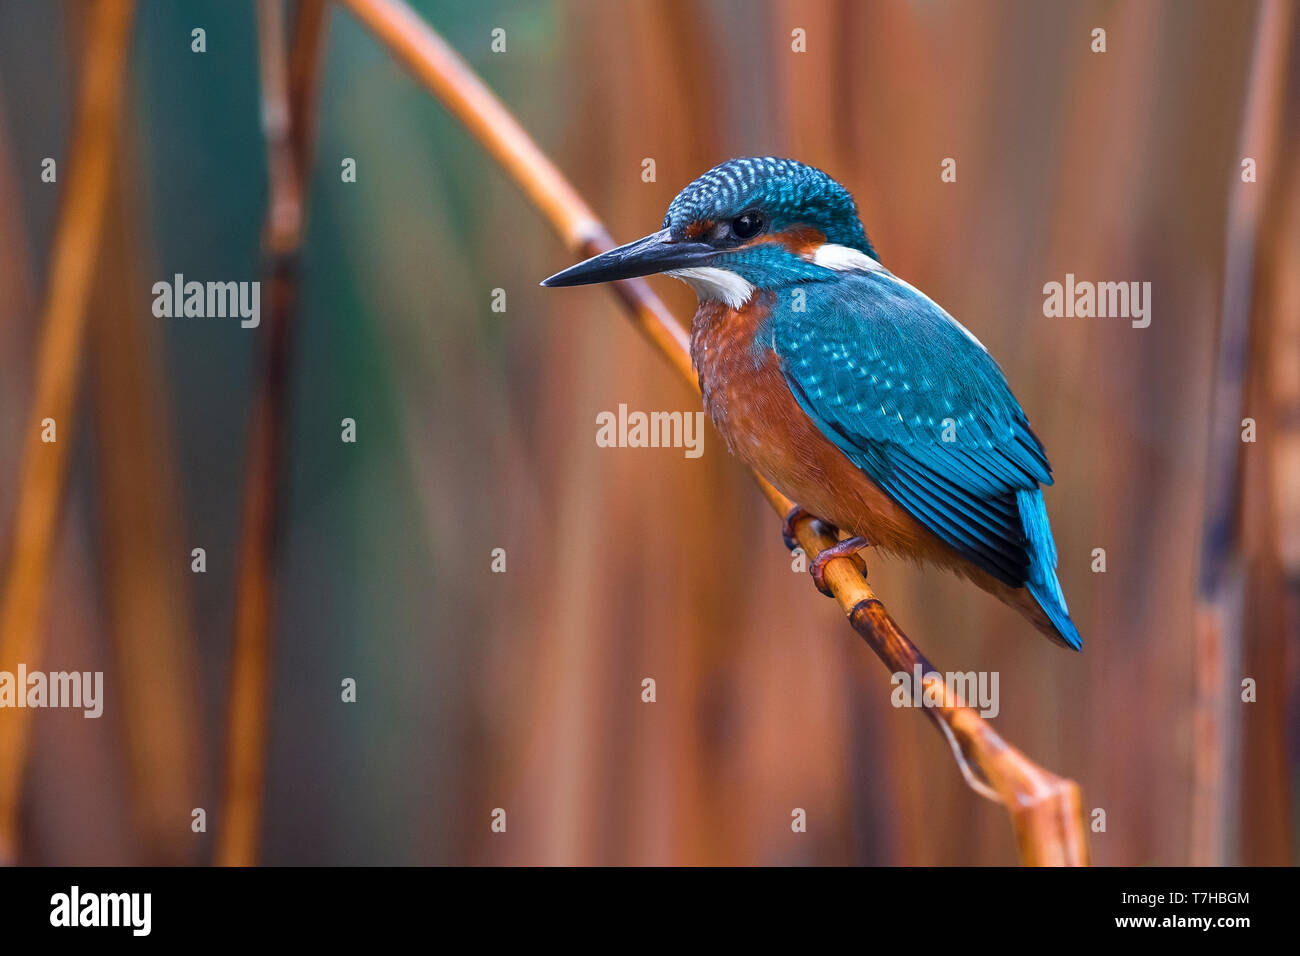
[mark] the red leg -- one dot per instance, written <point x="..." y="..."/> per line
<point x="845" y="549"/>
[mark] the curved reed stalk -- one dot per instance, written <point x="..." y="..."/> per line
<point x="63" y="327"/>
<point x="1046" y="810"/>
<point x="288" y="108"/>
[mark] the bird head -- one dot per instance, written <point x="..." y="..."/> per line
<point x="746" y="224"/>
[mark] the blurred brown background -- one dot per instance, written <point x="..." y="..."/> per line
<point x="477" y="430"/>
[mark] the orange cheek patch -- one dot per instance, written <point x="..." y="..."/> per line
<point x="803" y="241"/>
<point x="702" y="228"/>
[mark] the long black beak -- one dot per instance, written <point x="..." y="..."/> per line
<point x="655" y="253"/>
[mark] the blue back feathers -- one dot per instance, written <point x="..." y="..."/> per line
<point x="923" y="409"/>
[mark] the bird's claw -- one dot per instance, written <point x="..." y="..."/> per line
<point x="793" y="517"/>
<point x="845" y="549"/>
<point x="787" y="526"/>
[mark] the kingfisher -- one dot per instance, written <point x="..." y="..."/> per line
<point x="849" y="389"/>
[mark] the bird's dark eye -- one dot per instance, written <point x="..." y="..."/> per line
<point x="747" y="226"/>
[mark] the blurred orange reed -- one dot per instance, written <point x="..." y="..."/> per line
<point x="63" y="325"/>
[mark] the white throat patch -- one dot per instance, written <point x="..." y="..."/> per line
<point x="713" y="283"/>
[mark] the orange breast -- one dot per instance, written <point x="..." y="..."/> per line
<point x="758" y="417"/>
<point x="753" y="409"/>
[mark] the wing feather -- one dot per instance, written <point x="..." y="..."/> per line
<point x="919" y="405"/>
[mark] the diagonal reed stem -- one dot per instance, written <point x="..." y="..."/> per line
<point x="63" y="326"/>
<point x="1046" y="810"/>
<point x="289" y="83"/>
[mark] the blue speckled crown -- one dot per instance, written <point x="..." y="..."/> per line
<point x="790" y="193"/>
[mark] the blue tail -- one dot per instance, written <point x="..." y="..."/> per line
<point x="1042" y="583"/>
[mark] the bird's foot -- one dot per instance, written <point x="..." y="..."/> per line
<point x="845" y="549"/>
<point x="795" y="515"/>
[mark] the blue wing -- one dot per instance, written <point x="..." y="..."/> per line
<point x="918" y="404"/>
